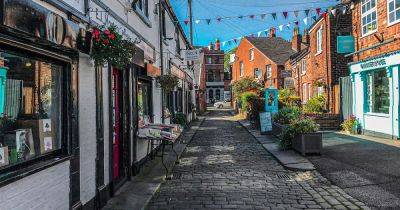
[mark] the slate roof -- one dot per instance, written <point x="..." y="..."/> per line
<point x="275" y="48"/>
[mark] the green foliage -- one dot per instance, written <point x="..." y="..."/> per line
<point x="248" y="99"/>
<point x="7" y="124"/>
<point x="297" y="127"/>
<point x="350" y="124"/>
<point x="228" y="56"/>
<point x="287" y="98"/>
<point x="168" y="82"/>
<point x="109" y="47"/>
<point x="315" y="105"/>
<point x="244" y="85"/>
<point x="287" y="115"/>
<point x="180" y="119"/>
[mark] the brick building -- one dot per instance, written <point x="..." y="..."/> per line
<point x="262" y="58"/>
<point x="375" y="67"/>
<point x="317" y="67"/>
<point x="214" y="77"/>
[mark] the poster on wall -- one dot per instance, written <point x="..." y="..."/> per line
<point x="265" y="122"/>
<point x="48" y="144"/>
<point x="46" y="125"/>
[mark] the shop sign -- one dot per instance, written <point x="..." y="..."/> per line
<point x="177" y="72"/>
<point x="192" y="55"/>
<point x="153" y="71"/>
<point x="345" y="44"/>
<point x="373" y="64"/>
<point x="289" y="82"/>
<point x="149" y="52"/>
<point x="265" y="122"/>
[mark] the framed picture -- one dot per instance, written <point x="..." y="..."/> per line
<point x="24" y="143"/>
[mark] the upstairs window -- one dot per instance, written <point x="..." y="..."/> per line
<point x="177" y="42"/>
<point x="393" y="11"/>
<point x="257" y="73"/>
<point x="209" y="60"/>
<point x="368" y="17"/>
<point x="319" y="40"/>
<point x="303" y="67"/>
<point x="251" y="54"/>
<point x="142" y="6"/>
<point x="241" y="68"/>
<point x="268" y="72"/>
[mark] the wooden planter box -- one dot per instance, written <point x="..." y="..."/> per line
<point x="277" y="129"/>
<point x="308" y="143"/>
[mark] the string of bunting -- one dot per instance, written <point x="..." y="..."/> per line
<point x="274" y="15"/>
<point x="330" y="11"/>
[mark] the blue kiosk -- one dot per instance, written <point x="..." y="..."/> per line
<point x="271" y="100"/>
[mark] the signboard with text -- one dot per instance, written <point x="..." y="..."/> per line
<point x="265" y="122"/>
<point x="192" y="55"/>
<point x="345" y="44"/>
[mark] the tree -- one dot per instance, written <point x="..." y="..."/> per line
<point x="246" y="84"/>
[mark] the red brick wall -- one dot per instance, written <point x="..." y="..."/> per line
<point x="383" y="29"/>
<point x="260" y="61"/>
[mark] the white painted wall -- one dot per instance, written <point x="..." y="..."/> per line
<point x="44" y="190"/>
<point x="87" y="128"/>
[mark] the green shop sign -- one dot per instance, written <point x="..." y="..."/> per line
<point x="345" y="44"/>
<point x="373" y="64"/>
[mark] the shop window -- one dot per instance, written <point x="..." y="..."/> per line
<point x="378" y="97"/>
<point x="144" y="102"/>
<point x="368" y="17"/>
<point x="241" y="68"/>
<point x="30" y="108"/>
<point x="218" y="94"/>
<point x="393" y="11"/>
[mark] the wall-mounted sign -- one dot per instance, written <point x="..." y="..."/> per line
<point x="373" y="64"/>
<point x="192" y="55"/>
<point x="286" y="73"/>
<point x="345" y="44"/>
<point x="153" y="71"/>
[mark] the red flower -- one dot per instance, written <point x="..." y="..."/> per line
<point x="106" y="42"/>
<point x="106" y="32"/>
<point x="96" y="33"/>
<point x="111" y="36"/>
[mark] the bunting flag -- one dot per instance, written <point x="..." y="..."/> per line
<point x="307" y="12"/>
<point x="208" y="21"/>
<point x="263" y="16"/>
<point x="266" y="32"/>
<point x="318" y="10"/>
<point x="296" y="22"/>
<point x="296" y="13"/>
<point x="274" y="16"/>
<point x="229" y="42"/>
<point x="186" y="21"/>
<point x="259" y="33"/>
<point x="197" y="21"/>
<point x="305" y="20"/>
<point x="235" y="40"/>
<point x="223" y="44"/>
<point x="314" y="18"/>
<point x="325" y="15"/>
<point x="333" y="11"/>
<point x="288" y="25"/>
<point x="219" y="19"/>
<point x="280" y="27"/>
<point x="285" y="14"/>
<point x="240" y="17"/>
<point x="252" y="16"/>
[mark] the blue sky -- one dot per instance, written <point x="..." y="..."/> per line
<point x="228" y="29"/>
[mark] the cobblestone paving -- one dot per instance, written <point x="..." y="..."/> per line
<point x="225" y="168"/>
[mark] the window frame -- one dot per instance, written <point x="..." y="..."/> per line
<point x="241" y="68"/>
<point x="258" y="70"/>
<point x="303" y="66"/>
<point x="388" y="12"/>
<point x="362" y="15"/>
<point x="268" y="71"/>
<point x="368" y="92"/>
<point x="251" y="54"/>
<point x="319" y="41"/>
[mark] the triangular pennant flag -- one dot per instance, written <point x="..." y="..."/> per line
<point x="263" y="16"/>
<point x="208" y="21"/>
<point x="266" y="32"/>
<point x="307" y="12"/>
<point x="219" y="19"/>
<point x="240" y="17"/>
<point x="197" y="21"/>
<point x="229" y="42"/>
<point x="314" y="18"/>
<point x="235" y="40"/>
<point x="285" y="14"/>
<point x="296" y="13"/>
<point x="280" y="27"/>
<point x="325" y="15"/>
<point x="251" y="16"/>
<point x="274" y="16"/>
<point x="318" y="10"/>
<point x="223" y="44"/>
<point x="288" y="25"/>
<point x="305" y="20"/>
<point x="333" y="11"/>
<point x="186" y="21"/>
<point x="296" y="22"/>
<point x="259" y="33"/>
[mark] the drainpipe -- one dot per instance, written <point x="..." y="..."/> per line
<point x="160" y="31"/>
<point x="327" y="44"/>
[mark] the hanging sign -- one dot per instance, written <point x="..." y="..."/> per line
<point x="286" y="73"/>
<point x="192" y="55"/>
<point x="345" y="44"/>
<point x="265" y="122"/>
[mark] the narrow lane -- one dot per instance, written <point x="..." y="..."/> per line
<point x="224" y="167"/>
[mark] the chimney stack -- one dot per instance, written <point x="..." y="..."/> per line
<point x="271" y="33"/>
<point x="306" y="37"/>
<point x="296" y="40"/>
<point x="217" y="45"/>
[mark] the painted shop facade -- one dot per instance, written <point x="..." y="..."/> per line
<point x="68" y="128"/>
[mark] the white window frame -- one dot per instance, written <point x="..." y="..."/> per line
<point x="319" y="40"/>
<point x="251" y="54"/>
<point x="388" y="12"/>
<point x="373" y="9"/>
<point x="303" y="66"/>
<point x="259" y="76"/>
<point x="241" y="68"/>
<point x="268" y="72"/>
<point x="305" y="93"/>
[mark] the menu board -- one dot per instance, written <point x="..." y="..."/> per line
<point x="265" y="122"/>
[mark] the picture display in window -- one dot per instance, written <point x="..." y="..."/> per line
<point x="368" y="16"/>
<point x="30" y="107"/>
<point x="394" y="11"/>
<point x="144" y="101"/>
<point x="378" y="92"/>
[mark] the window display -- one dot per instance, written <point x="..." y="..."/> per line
<point x="30" y="106"/>
<point x="378" y="92"/>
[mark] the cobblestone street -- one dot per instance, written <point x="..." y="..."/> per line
<point x="225" y="168"/>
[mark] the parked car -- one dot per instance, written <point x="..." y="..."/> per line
<point x="219" y="104"/>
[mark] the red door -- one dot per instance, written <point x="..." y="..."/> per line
<point x="116" y="94"/>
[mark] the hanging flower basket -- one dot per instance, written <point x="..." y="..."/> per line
<point x="109" y="47"/>
<point x="167" y="82"/>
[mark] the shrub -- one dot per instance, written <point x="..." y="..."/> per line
<point x="287" y="114"/>
<point x="315" y="105"/>
<point x="247" y="99"/>
<point x="296" y="127"/>
<point x="246" y="84"/>
<point x="287" y="98"/>
<point x="350" y="124"/>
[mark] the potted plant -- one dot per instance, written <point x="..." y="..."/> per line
<point x="350" y="125"/>
<point x="283" y="118"/>
<point x="306" y="139"/>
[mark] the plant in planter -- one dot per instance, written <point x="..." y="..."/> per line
<point x="283" y="118"/>
<point x="109" y="47"/>
<point x="315" y="105"/>
<point x="319" y="84"/>
<point x="167" y="82"/>
<point x="350" y="125"/>
<point x="306" y="139"/>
